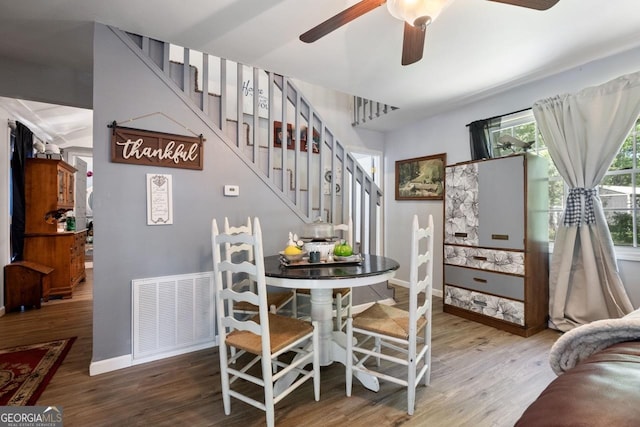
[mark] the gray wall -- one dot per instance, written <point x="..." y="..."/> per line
<point x="447" y="133"/>
<point x="125" y="247"/>
<point x="44" y="83"/>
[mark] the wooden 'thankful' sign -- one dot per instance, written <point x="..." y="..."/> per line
<point x="141" y="147"/>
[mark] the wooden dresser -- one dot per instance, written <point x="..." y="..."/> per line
<point x="496" y="243"/>
<point x="49" y="187"/>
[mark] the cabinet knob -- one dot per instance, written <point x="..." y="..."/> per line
<point x="500" y="236"/>
<point x="460" y="234"/>
<point x="477" y="279"/>
<point x="480" y="258"/>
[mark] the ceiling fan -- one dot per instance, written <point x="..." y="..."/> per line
<point x="416" y="14"/>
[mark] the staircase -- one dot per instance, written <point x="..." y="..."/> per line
<point x="366" y="110"/>
<point x="303" y="162"/>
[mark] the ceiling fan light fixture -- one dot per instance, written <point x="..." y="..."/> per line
<point x="416" y="12"/>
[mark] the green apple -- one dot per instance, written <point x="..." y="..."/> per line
<point x="342" y="249"/>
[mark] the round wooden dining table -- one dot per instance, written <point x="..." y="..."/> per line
<point x="321" y="278"/>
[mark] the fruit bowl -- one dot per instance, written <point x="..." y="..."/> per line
<point x="293" y="257"/>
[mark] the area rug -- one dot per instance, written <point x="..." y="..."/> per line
<point x="26" y="370"/>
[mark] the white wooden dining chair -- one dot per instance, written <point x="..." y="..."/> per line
<point x="395" y="335"/>
<point x="262" y="338"/>
<point x="276" y="301"/>
<point x="342" y="297"/>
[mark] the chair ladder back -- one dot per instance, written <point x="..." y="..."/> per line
<point x="261" y="284"/>
<point x="253" y="335"/>
<point x="243" y="249"/>
<point x="379" y="325"/>
<point x="224" y="270"/>
<point x="421" y="273"/>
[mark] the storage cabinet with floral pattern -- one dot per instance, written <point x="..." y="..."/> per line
<point x="496" y="242"/>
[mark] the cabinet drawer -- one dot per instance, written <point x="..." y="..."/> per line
<point x="485" y="259"/>
<point x="484" y="281"/>
<point x="488" y="305"/>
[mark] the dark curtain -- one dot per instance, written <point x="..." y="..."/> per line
<point x="22" y="148"/>
<point x="480" y="138"/>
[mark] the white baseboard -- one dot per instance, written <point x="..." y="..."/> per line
<point x="108" y="365"/>
<point x="126" y="361"/>
<point x="175" y="352"/>
<point x="405" y="284"/>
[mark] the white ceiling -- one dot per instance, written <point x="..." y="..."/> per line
<point x="57" y="124"/>
<point x="474" y="49"/>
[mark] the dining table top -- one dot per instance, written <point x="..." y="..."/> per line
<point x="330" y="275"/>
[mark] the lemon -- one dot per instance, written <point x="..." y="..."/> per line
<point x="292" y="250"/>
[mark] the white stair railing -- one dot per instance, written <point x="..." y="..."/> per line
<point x="309" y="167"/>
<point x="366" y="110"/>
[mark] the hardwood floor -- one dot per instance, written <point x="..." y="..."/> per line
<point x="480" y="377"/>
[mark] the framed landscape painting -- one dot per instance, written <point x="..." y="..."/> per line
<point x="421" y="178"/>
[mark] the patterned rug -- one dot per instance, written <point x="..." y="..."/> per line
<point x="26" y="370"/>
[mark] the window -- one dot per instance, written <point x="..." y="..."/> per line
<point x="619" y="192"/>
<point x="618" y="189"/>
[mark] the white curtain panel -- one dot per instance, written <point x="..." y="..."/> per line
<point x="584" y="132"/>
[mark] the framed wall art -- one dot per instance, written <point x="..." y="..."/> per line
<point x="278" y="136"/>
<point x="421" y="178"/>
<point x="303" y="140"/>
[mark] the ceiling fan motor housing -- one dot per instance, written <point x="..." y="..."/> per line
<point x="418" y="13"/>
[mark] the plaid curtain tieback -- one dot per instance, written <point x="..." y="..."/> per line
<point x="573" y="213"/>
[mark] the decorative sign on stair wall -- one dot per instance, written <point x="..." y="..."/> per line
<point x="159" y="199"/>
<point x="142" y="147"/>
<point x="248" y="94"/>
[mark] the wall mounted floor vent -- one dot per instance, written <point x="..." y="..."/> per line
<point x="172" y="315"/>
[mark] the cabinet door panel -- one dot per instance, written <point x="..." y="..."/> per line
<point x="501" y="203"/>
<point x="461" y="205"/>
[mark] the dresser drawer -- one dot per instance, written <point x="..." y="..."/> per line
<point x="488" y="305"/>
<point x="485" y="259"/>
<point x="485" y="281"/>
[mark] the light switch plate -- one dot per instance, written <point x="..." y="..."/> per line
<point x="231" y="190"/>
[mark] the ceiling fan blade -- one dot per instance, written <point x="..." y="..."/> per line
<point x="340" y="19"/>
<point x="413" y="43"/>
<point x="531" y="4"/>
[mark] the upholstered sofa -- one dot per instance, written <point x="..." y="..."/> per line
<point x="603" y="390"/>
<point x="598" y="383"/>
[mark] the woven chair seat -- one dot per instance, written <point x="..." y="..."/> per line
<point x="278" y="335"/>
<point x="387" y="320"/>
<point x="276" y="299"/>
<point x="282" y="330"/>
<point x="400" y="337"/>
<point x="341" y="291"/>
